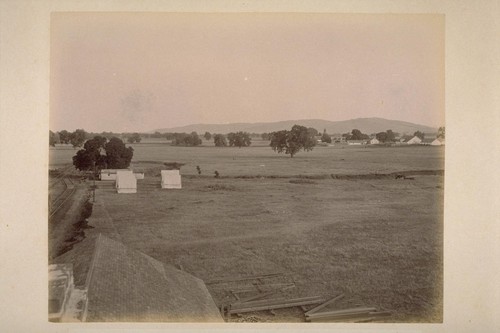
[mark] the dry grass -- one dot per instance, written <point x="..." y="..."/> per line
<point x="262" y="161"/>
<point x="378" y="240"/>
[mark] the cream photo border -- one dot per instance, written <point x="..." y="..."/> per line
<point x="471" y="247"/>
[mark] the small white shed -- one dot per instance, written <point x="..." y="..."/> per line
<point x="374" y="141"/>
<point x="170" y="179"/>
<point x="126" y="181"/>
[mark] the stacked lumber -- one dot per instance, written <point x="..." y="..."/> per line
<point x="271" y="304"/>
<point x="251" y="293"/>
<point x="358" y="314"/>
<point x="259" y="300"/>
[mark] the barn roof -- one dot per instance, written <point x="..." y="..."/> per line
<point x="129" y="286"/>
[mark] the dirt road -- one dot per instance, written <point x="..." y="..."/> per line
<point x="65" y="225"/>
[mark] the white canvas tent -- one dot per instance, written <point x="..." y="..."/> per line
<point x="126" y="181"/>
<point x="414" y="141"/>
<point x="170" y="179"/>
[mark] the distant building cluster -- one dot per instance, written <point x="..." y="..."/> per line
<point x="415" y="140"/>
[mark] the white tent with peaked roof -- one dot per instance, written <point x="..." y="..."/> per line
<point x="170" y="179"/>
<point x="126" y="181"/>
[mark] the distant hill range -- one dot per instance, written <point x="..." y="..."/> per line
<point x="365" y="125"/>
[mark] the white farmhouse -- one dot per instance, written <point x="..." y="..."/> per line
<point x="374" y="141"/>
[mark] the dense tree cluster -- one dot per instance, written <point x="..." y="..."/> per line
<point x="312" y="131"/>
<point x="64" y="137"/>
<point x="355" y="134"/>
<point x="220" y="140"/>
<point x="419" y="134"/>
<point x="76" y="138"/>
<point x="291" y="142"/>
<point x="134" y="137"/>
<point x="117" y="155"/>
<point x="387" y="136"/>
<point x="325" y="137"/>
<point x="207" y="136"/>
<point x="441" y="132"/>
<point x="102" y="153"/>
<point x="239" y="139"/>
<point x="53" y="138"/>
<point x="183" y="139"/>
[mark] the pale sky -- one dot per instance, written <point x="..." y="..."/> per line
<point x="142" y="71"/>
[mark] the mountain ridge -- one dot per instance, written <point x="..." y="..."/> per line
<point x="365" y="125"/>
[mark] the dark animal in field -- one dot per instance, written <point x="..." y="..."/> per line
<point x="404" y="177"/>
<point x="173" y="165"/>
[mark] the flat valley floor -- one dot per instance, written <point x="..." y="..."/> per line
<point x="334" y="220"/>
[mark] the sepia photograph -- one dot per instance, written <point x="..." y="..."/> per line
<point x="193" y="166"/>
<point x="246" y="167"/>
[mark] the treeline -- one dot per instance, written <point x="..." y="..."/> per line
<point x="233" y="139"/>
<point x="171" y="135"/>
<point x="76" y="138"/>
<point x="389" y="136"/>
<point x="79" y="136"/>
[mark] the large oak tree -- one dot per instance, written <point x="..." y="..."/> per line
<point x="103" y="154"/>
<point x="291" y="142"/>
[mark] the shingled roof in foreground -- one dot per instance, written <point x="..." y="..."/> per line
<point x="126" y="285"/>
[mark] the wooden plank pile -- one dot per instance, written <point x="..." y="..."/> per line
<point x="260" y="288"/>
<point x="271" y="304"/>
<point x="358" y="314"/>
<point x="268" y="296"/>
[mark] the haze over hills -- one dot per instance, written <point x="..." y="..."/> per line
<point x="365" y="125"/>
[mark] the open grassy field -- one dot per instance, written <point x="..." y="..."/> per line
<point x="378" y="240"/>
<point x="261" y="160"/>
